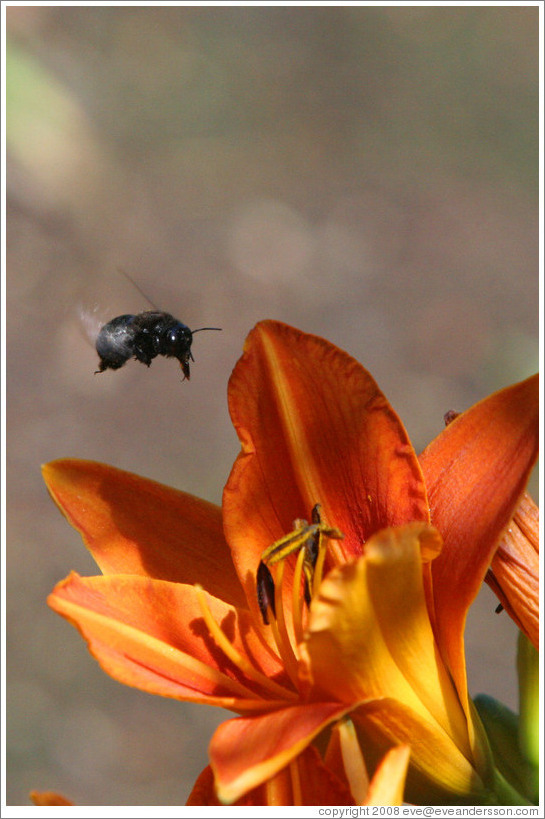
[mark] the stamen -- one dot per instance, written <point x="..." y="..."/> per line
<point x="315" y="514"/>
<point x="275" y="790"/>
<point x="281" y="635"/>
<point x="296" y="599"/>
<point x="297" y="797"/>
<point x="311" y="550"/>
<point x="288" y="544"/>
<point x="307" y="539"/>
<point x="319" y="567"/>
<point x="230" y="651"/>
<point x="310" y="542"/>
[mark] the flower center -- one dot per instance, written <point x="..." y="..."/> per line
<point x="285" y="620"/>
<point x="310" y="542"/>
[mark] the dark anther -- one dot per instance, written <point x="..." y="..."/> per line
<point x="498" y="609"/>
<point x="313" y="543"/>
<point x="306" y="590"/>
<point x="265" y="591"/>
<point x="311" y="548"/>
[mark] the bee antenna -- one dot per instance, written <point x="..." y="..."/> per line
<point x="198" y="330"/>
<point x="132" y="281"/>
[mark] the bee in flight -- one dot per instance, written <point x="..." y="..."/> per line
<point x="143" y="337"/>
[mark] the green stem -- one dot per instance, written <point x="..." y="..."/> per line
<point x="528" y="673"/>
<point x="504" y="793"/>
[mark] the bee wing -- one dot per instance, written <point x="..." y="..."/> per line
<point x="91" y="320"/>
<point x="102" y="298"/>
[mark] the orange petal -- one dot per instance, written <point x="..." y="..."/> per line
<point x="318" y="784"/>
<point x="388" y="783"/>
<point x="133" y="525"/>
<point x="203" y="791"/>
<point x="476" y="471"/>
<point x="314" y="428"/>
<point x="333" y="756"/>
<point x="248" y="751"/>
<point x="514" y="574"/>
<point x="305" y="781"/>
<point x="151" y="634"/>
<point x="369" y="635"/>
<point x="43" y="798"/>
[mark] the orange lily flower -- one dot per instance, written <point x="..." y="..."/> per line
<point x="382" y="639"/>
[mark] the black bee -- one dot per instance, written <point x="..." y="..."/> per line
<point x="145" y="336"/>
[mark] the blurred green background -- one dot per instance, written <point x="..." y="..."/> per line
<point x="365" y="173"/>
